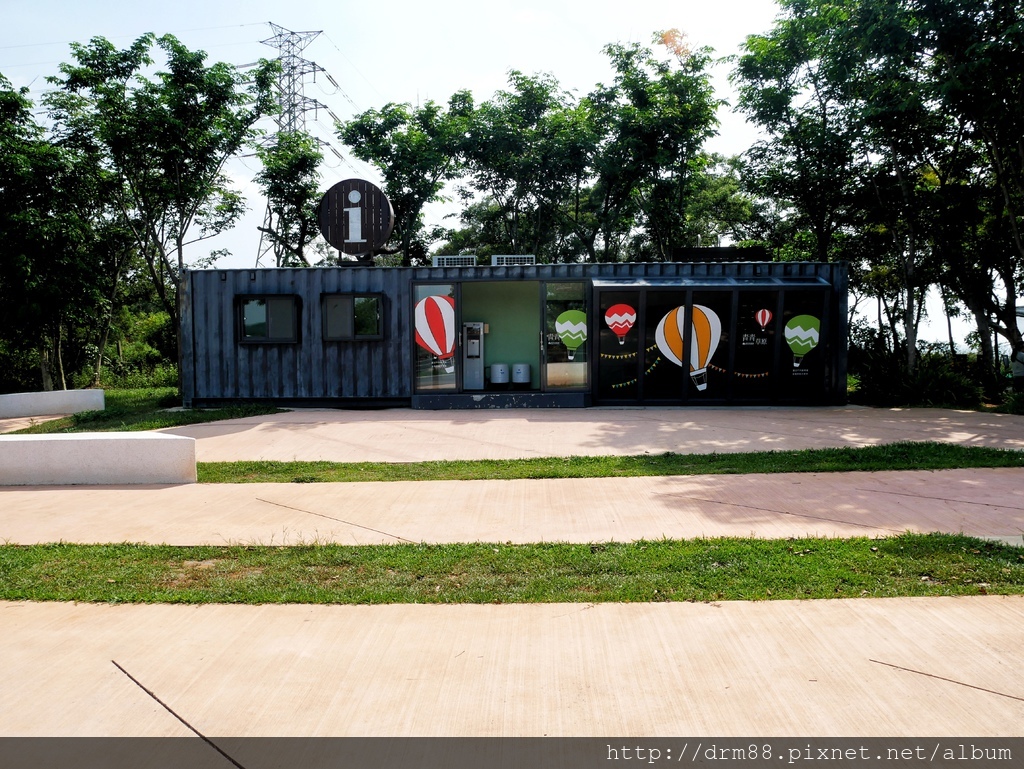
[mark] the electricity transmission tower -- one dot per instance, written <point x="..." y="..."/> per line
<point x="293" y="105"/>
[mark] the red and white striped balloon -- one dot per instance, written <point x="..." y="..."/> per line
<point x="435" y="325"/>
<point x="763" y="317"/>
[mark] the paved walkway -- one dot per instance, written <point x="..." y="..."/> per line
<point x="984" y="503"/>
<point x="10" y="424"/>
<point x="404" y="435"/>
<point x="892" y="667"/>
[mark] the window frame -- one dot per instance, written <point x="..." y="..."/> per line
<point x="354" y="296"/>
<point x="241" y="300"/>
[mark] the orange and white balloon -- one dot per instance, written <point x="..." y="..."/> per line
<point x="705" y="334"/>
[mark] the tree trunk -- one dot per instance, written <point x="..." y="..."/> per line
<point x="987" y="366"/>
<point x="910" y="314"/>
<point x="949" y="322"/>
<point x="60" y="361"/>
<point x="44" y="365"/>
<point x="102" y="344"/>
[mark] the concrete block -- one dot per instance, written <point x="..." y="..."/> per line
<point x="53" y="402"/>
<point x="96" y="458"/>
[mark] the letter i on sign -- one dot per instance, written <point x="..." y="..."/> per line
<point x="355" y="219"/>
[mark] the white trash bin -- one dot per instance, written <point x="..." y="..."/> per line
<point x="499" y="374"/>
<point x="521" y="375"/>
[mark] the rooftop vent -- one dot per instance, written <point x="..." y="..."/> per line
<point x="506" y="260"/>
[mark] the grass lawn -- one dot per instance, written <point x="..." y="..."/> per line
<point x="142" y="410"/>
<point x="897" y="456"/>
<point x="664" y="570"/>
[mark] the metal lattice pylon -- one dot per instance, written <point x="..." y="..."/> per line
<point x="293" y="105"/>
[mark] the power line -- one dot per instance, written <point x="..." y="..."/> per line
<point x="352" y="63"/>
<point x="121" y="37"/>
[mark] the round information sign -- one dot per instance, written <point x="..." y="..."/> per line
<point x="356" y="217"/>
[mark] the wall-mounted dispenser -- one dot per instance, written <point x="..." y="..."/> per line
<point x="473" y="356"/>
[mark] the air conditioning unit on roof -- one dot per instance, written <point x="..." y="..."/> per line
<point x="511" y="260"/>
<point x="462" y="260"/>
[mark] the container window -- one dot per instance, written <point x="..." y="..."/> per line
<point x="269" y="319"/>
<point x="353" y="317"/>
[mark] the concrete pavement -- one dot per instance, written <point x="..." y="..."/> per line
<point x="404" y="435"/>
<point x="932" y="667"/>
<point x="983" y="503"/>
<point x="942" y="667"/>
<point x="10" y="424"/>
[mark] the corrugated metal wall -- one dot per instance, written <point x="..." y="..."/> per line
<point x="216" y="366"/>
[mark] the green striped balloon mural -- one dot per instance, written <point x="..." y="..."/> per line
<point x="802" y="334"/>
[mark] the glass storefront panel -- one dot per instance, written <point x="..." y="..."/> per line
<point x="756" y="331"/>
<point x="565" y="336"/>
<point x="619" y="341"/>
<point x="803" y="352"/>
<point x="435" y="331"/>
<point x="664" y="369"/>
<point x="707" y="349"/>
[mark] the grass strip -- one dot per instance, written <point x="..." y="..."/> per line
<point x="663" y="570"/>
<point x="895" y="456"/>
<point x="145" y="409"/>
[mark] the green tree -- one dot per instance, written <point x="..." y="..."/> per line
<point x="165" y="139"/>
<point x="658" y="115"/>
<point x="974" y="49"/>
<point x="528" y="151"/>
<point x="793" y="82"/>
<point x="49" y="291"/>
<point x="290" y="179"/>
<point x="417" y="151"/>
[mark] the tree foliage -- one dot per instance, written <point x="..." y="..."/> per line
<point x="51" y="252"/>
<point x="165" y="138"/>
<point x="617" y="175"/>
<point x="893" y="138"/>
<point x="417" y="150"/>
<point x="290" y="180"/>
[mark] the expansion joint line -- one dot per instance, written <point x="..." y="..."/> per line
<point x="939" y="499"/>
<point x="170" y="710"/>
<point x="339" y="520"/>
<point x="949" y="680"/>
<point x="785" y="512"/>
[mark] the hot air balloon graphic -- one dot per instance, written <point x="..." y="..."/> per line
<point x="763" y="317"/>
<point x="620" y="319"/>
<point x="802" y="336"/>
<point x="435" y="328"/>
<point x="571" y="327"/>
<point x="705" y="334"/>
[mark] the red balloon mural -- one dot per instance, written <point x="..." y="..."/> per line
<point x="435" y="325"/>
<point x="620" y="319"/>
<point x="764" y="317"/>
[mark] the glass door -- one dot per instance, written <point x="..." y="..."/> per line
<point x="436" y="335"/>
<point x="619" y="346"/>
<point x="564" y="339"/>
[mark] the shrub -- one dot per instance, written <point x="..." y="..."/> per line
<point x="883" y="378"/>
<point x="116" y="378"/>
<point x="1013" y="403"/>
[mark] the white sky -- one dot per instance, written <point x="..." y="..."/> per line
<point x="388" y="51"/>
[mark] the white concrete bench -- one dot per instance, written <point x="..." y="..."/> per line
<point x="52" y="402"/>
<point x="96" y="458"/>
